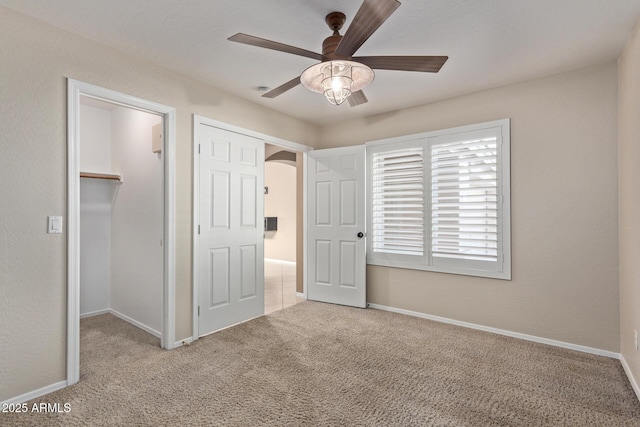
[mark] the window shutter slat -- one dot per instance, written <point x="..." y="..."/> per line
<point x="398" y="202"/>
<point x="464" y="203"/>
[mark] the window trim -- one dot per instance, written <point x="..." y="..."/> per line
<point x="504" y="211"/>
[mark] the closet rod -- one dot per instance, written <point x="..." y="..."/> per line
<point x="113" y="177"/>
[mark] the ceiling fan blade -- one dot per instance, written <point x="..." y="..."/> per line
<point x="357" y="98"/>
<point x="426" y="64"/>
<point x="268" y="44"/>
<point x="282" y="88"/>
<point x="368" y="19"/>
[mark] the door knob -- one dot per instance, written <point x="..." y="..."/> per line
<point x="360" y="235"/>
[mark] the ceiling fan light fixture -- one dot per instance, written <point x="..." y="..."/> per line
<point x="337" y="80"/>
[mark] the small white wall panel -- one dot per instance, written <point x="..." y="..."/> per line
<point x="219" y="277"/>
<point x="219" y="199"/>
<point x="157" y="141"/>
<point x="348" y="207"/>
<point x="248" y="283"/>
<point x="347" y="264"/>
<point x="323" y="203"/>
<point x="248" y="201"/>
<point x="323" y="262"/>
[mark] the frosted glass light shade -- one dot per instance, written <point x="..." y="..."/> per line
<point x="337" y="79"/>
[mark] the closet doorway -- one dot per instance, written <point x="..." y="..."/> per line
<point x="120" y="223"/>
<point x="204" y="145"/>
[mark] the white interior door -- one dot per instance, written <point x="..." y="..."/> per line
<point x="336" y="246"/>
<point x="230" y="246"/>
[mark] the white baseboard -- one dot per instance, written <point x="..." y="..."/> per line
<point x="526" y="337"/>
<point x="125" y="318"/>
<point x="183" y="342"/>
<point x="136" y="323"/>
<point x="34" y="394"/>
<point x="632" y="379"/>
<point x="95" y="313"/>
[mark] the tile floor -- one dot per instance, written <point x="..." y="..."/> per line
<point x="279" y="285"/>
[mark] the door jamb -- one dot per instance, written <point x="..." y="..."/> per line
<point x="75" y="89"/>
<point x="201" y="120"/>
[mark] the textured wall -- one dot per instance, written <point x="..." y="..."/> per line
<point x="95" y="139"/>
<point x="95" y="210"/>
<point x="96" y="196"/>
<point x="281" y="203"/>
<point x="136" y="219"/>
<point x="564" y="217"/>
<point x="629" y="138"/>
<point x="36" y="60"/>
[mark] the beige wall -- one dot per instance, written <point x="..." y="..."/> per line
<point x="280" y="202"/>
<point x="36" y="60"/>
<point x="564" y="210"/>
<point x="629" y="175"/>
<point x="136" y="219"/>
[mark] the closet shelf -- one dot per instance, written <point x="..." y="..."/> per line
<point x="110" y="176"/>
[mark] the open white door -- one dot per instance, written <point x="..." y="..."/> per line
<point x="336" y="247"/>
<point x="230" y="248"/>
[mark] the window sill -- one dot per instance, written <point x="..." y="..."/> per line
<point x="502" y="275"/>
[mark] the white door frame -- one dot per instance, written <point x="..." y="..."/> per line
<point x="201" y="120"/>
<point x="75" y="89"/>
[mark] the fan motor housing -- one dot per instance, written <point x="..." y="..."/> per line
<point x="335" y="21"/>
<point x="329" y="46"/>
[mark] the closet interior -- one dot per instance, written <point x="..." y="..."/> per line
<point x="121" y="213"/>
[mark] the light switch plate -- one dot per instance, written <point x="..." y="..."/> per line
<point x="54" y="225"/>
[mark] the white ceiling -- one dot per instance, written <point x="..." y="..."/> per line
<point x="489" y="42"/>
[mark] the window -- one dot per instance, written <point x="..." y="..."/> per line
<point x="439" y="201"/>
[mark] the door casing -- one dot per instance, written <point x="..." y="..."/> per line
<point x="75" y="89"/>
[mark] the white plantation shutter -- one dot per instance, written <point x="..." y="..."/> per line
<point x="440" y="201"/>
<point x="464" y="197"/>
<point x="397" y="193"/>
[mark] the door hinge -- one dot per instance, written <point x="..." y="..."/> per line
<point x="198" y="310"/>
<point x="198" y="148"/>
<point x="198" y="228"/>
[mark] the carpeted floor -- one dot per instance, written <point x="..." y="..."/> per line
<point x="322" y="364"/>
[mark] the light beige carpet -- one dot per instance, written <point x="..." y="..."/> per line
<point x="321" y="364"/>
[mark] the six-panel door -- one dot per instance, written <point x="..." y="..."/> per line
<point x="230" y="243"/>
<point x="336" y="252"/>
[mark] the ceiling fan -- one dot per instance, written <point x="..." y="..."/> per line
<point x="340" y="75"/>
